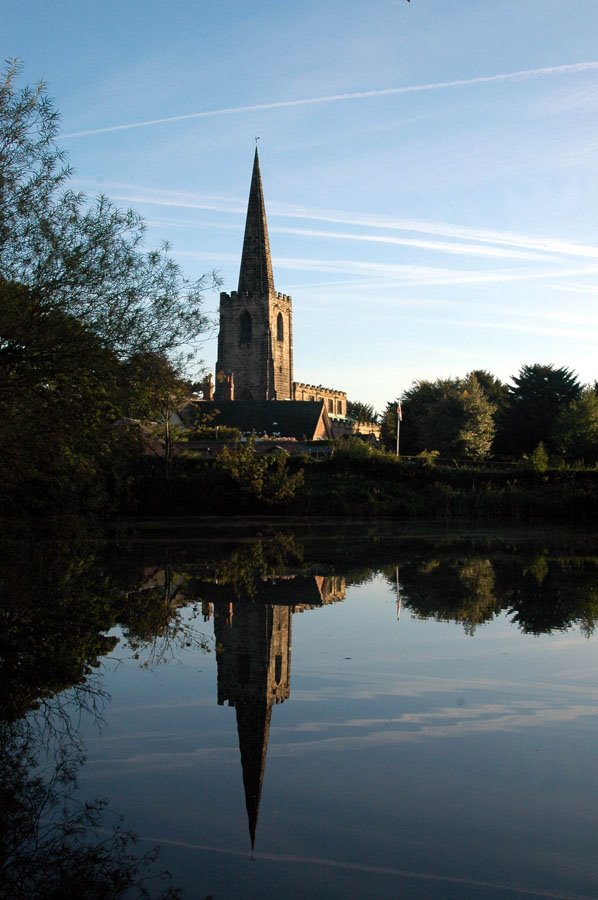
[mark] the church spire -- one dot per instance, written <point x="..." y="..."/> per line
<point x="255" y="276"/>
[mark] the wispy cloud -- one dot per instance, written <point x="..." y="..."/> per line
<point x="437" y="246"/>
<point x="526" y="243"/>
<point x="443" y="229"/>
<point x="588" y="290"/>
<point x="397" y="274"/>
<point x="580" y="334"/>
<point x="522" y="75"/>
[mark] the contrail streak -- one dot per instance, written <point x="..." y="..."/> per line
<point x="522" y="75"/>
<point x="325" y="862"/>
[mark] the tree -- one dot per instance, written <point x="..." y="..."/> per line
<point x="263" y="479"/>
<point x="83" y="258"/>
<point x="460" y="422"/>
<point x="58" y="399"/>
<point x="361" y="412"/>
<point x="539" y="394"/>
<point x="576" y="428"/>
<point x="476" y="432"/>
<point x="450" y="415"/>
<point x="78" y="298"/>
<point x="154" y="388"/>
<point x="494" y="389"/>
<point x="415" y="403"/>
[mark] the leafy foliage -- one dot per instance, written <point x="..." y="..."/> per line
<point x="58" y="400"/>
<point x="453" y="416"/>
<point x="494" y="389"/>
<point x="261" y="478"/>
<point x="352" y="448"/>
<point x="51" y="844"/>
<point x="576" y="428"/>
<point x="83" y="258"/>
<point x="79" y="298"/>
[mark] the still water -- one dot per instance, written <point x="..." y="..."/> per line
<point x="321" y="713"/>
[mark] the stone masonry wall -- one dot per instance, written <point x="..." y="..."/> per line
<point x="255" y="345"/>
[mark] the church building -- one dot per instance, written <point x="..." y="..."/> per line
<point x="255" y="341"/>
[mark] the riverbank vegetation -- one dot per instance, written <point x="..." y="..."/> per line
<point x="368" y="486"/>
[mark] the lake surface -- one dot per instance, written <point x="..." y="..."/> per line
<point x="337" y="712"/>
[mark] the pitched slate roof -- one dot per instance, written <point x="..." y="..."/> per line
<point x="287" y="418"/>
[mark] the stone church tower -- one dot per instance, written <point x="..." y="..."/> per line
<point x="255" y="341"/>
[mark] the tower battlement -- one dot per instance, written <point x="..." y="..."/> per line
<point x="245" y="295"/>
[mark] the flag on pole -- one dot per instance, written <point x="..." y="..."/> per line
<point x="400" y="411"/>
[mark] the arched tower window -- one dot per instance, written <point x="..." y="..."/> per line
<point x="278" y="668"/>
<point x="279" y="327"/>
<point x="243" y="668"/>
<point x="246" y="328"/>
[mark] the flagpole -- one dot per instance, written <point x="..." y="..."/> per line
<point x="399" y="417"/>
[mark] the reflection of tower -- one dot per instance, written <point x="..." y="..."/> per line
<point x="254" y="671"/>
<point x="253" y="651"/>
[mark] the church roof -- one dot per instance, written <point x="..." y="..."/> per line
<point x="299" y="590"/>
<point x="255" y="275"/>
<point x="298" y="419"/>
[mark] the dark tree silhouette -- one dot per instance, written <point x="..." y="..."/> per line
<point x="538" y="396"/>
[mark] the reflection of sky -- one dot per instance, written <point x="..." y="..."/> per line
<point x="411" y="759"/>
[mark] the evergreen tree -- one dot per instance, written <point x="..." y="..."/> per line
<point x="361" y="412"/>
<point x="539" y="394"/>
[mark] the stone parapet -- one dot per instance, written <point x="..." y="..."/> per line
<point x="335" y="401"/>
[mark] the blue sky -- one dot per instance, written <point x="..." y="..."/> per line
<point x="429" y="167"/>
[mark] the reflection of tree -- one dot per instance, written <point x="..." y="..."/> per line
<point x="54" y="611"/>
<point x="541" y="593"/>
<point x="159" y="618"/>
<point x="52" y="845"/>
<point x="248" y="564"/>
<point x="354" y="577"/>
<point x="477" y="578"/>
<point x="456" y="591"/>
<point x="545" y="594"/>
<point x="58" y="600"/>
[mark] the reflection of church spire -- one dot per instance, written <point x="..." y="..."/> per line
<point x="253" y="652"/>
<point x="253" y="673"/>
<point x="253" y="725"/>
